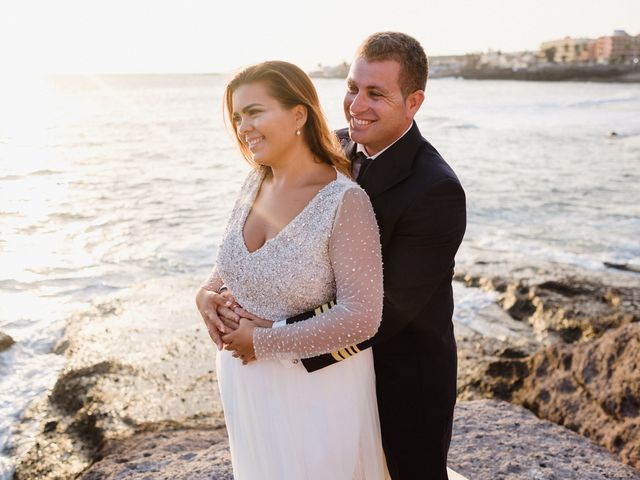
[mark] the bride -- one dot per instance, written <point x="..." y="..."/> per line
<point x="301" y="234"/>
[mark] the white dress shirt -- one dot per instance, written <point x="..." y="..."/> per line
<point x="355" y="166"/>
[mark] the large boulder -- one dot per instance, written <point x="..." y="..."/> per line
<point x="199" y="454"/>
<point x="592" y="388"/>
<point x="565" y="308"/>
<point x="491" y="440"/>
<point x="585" y="374"/>
<point x="494" y="440"/>
<point x="140" y="358"/>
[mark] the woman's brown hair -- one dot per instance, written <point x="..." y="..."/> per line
<point x="290" y="86"/>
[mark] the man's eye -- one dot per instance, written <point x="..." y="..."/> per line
<point x="375" y="94"/>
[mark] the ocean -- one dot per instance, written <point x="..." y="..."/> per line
<point x="109" y="181"/>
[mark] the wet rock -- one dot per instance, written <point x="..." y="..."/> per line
<point x="491" y="440"/>
<point x="177" y="454"/>
<point x="622" y="266"/>
<point x="139" y="359"/>
<point x="569" y="309"/>
<point x="70" y="391"/>
<point x="50" y="426"/>
<point x="493" y="349"/>
<point x="592" y="388"/>
<point x="583" y="373"/>
<point x="483" y="371"/>
<point x="5" y="341"/>
<point x="495" y="440"/>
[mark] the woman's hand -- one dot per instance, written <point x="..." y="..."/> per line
<point x="231" y="316"/>
<point x="207" y="303"/>
<point x="240" y="341"/>
<point x="225" y="312"/>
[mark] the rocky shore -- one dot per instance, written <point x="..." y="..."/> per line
<point x="579" y="364"/>
<point x="492" y="440"/>
<point x="139" y="362"/>
<point x="138" y="396"/>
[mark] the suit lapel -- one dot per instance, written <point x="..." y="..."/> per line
<point x="392" y="166"/>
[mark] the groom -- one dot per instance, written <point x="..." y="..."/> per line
<point x="420" y="208"/>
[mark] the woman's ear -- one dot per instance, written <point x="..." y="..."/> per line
<point x="300" y="115"/>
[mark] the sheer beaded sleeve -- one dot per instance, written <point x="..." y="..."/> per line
<point x="354" y="252"/>
<point x="213" y="282"/>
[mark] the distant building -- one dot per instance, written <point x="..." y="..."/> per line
<point x="566" y="50"/>
<point x="619" y="48"/>
<point x="336" y="71"/>
<point x="590" y="54"/>
<point x="446" y="65"/>
<point x="511" y="61"/>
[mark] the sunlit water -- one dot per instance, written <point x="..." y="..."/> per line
<point x="109" y="181"/>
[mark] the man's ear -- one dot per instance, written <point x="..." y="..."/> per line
<point x="414" y="101"/>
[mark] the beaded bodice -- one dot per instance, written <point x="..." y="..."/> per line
<point x="290" y="273"/>
<point x="330" y="250"/>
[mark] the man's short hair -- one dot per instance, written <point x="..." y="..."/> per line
<point x="406" y="50"/>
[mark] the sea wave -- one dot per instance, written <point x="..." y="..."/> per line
<point x="35" y="173"/>
<point x="604" y="101"/>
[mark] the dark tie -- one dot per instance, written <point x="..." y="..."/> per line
<point x="364" y="164"/>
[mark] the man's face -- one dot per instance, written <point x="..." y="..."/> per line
<point x="374" y="106"/>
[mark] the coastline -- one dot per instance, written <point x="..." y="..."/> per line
<point x="138" y="390"/>
<point x="551" y="73"/>
<point x="557" y="73"/>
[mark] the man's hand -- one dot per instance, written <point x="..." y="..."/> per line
<point x="207" y="303"/>
<point x="260" y="322"/>
<point x="240" y="341"/>
<point x="231" y="316"/>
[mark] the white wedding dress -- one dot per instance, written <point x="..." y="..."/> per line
<point x="283" y="422"/>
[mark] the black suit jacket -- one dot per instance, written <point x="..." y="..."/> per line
<point x="421" y="213"/>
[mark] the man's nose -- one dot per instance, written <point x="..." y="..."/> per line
<point x="358" y="105"/>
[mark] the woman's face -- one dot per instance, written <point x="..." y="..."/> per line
<point x="263" y="124"/>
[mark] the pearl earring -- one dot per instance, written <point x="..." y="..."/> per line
<point x="298" y="132"/>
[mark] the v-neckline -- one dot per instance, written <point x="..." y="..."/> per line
<point x="251" y="202"/>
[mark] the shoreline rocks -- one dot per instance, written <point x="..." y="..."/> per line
<point x="585" y="372"/>
<point x="183" y="454"/>
<point x="139" y="360"/>
<point x="139" y="380"/>
<point x="592" y="388"/>
<point x="491" y="440"/>
<point x="494" y="440"/>
<point x="567" y="308"/>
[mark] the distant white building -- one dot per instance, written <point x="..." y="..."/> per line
<point x="511" y="60"/>
<point x="335" y="71"/>
<point x="444" y="65"/>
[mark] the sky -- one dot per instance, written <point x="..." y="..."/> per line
<point x="182" y="36"/>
